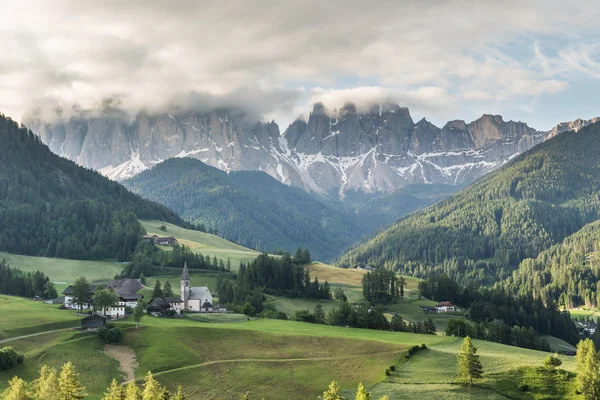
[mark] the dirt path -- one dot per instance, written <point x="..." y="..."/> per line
<point x="126" y="358"/>
<point x="35" y="334"/>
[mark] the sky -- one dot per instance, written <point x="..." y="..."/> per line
<point x="533" y="61"/>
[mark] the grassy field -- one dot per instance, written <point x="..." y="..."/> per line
<point x="274" y="359"/>
<point x="20" y="316"/>
<point x="63" y="272"/>
<point x="204" y="243"/>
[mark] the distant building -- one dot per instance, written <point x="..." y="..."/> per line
<point x="70" y="302"/>
<point x="194" y="298"/>
<point x="161" y="306"/>
<point x="94" y="321"/>
<point x="126" y="289"/>
<point x="161" y="241"/>
<point x="445" y="306"/>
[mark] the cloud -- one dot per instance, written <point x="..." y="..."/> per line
<point x="260" y="54"/>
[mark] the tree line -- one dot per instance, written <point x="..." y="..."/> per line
<point x="15" y="282"/>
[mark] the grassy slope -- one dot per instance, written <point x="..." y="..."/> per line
<point x="20" y="316"/>
<point x="204" y="243"/>
<point x="275" y="359"/>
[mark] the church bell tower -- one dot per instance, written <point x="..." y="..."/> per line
<point x="185" y="285"/>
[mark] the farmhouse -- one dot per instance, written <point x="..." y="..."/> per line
<point x="198" y="299"/>
<point x="161" y="241"/>
<point x="126" y="289"/>
<point x="445" y="306"/>
<point x="163" y="305"/>
<point x="70" y="302"/>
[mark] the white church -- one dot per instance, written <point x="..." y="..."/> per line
<point x="198" y="299"/>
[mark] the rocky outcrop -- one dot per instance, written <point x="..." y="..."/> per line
<point x="331" y="152"/>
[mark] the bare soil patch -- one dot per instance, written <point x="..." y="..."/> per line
<point x="126" y="358"/>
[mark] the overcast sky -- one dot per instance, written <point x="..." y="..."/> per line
<point x="537" y="62"/>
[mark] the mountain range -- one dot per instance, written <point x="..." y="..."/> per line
<point x="333" y="152"/>
<point x="530" y="227"/>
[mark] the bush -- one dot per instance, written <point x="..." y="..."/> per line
<point x="9" y="358"/>
<point x="128" y="310"/>
<point x="387" y="372"/>
<point x="111" y="334"/>
<point x="523" y="387"/>
<point x="552" y="362"/>
<point x="413" y="350"/>
<point x="423" y="346"/>
<point x="392" y="368"/>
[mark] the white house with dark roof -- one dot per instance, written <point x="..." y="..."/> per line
<point x="198" y="299"/>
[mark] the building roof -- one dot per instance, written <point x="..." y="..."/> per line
<point x="131" y="297"/>
<point x="172" y="300"/>
<point x="199" y="293"/>
<point x="445" y="304"/>
<point x="125" y="286"/>
<point x="69" y="289"/>
<point x="207" y="304"/>
<point x="93" y="317"/>
<point x="158" y="302"/>
<point x="185" y="276"/>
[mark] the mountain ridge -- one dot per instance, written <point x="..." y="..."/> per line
<point x="331" y="153"/>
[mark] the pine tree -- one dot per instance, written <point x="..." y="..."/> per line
<point x="587" y="369"/>
<point x="179" y="395"/>
<point x="132" y="392"/>
<point x="115" y="392"/>
<point x="469" y="366"/>
<point x="152" y="389"/>
<point x="157" y="291"/>
<point x="17" y="390"/>
<point x="167" y="289"/>
<point x="46" y="387"/>
<point x="333" y="393"/>
<point x="68" y="383"/>
<point x="362" y="393"/>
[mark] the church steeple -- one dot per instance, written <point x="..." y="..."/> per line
<point x="185" y="284"/>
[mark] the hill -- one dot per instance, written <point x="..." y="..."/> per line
<point x="52" y="207"/>
<point x="249" y="208"/>
<point x="280" y="359"/>
<point x="486" y="231"/>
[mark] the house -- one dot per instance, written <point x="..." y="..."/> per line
<point x="165" y="241"/>
<point x="94" y="321"/>
<point x="160" y="306"/>
<point x="194" y="298"/>
<point x="70" y="302"/>
<point x="445" y="306"/>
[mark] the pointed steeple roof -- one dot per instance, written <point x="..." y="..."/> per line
<point x="185" y="276"/>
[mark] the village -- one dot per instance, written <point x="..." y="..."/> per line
<point x="196" y="299"/>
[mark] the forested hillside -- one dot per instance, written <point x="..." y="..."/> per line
<point x="249" y="208"/>
<point x="51" y="207"/>
<point x="484" y="232"/>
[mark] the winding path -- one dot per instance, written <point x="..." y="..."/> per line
<point x="35" y="334"/>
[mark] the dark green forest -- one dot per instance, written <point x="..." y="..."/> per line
<point x="248" y="207"/>
<point x="51" y="207"/>
<point x="486" y="231"/>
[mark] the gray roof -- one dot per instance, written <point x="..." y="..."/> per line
<point x="199" y="293"/>
<point x="172" y="300"/>
<point x="185" y="276"/>
<point x="69" y="289"/>
<point x="125" y="286"/>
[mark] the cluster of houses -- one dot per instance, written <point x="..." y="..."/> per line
<point x="586" y="327"/>
<point x="161" y="241"/>
<point x="365" y="267"/>
<point x="193" y="299"/>
<point x="441" y="307"/>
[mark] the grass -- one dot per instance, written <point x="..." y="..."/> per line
<point x="290" y="306"/>
<point x="21" y="316"/>
<point x="85" y="351"/>
<point x="558" y="345"/>
<point x="202" y="242"/>
<point x="410" y="309"/>
<point x="65" y="271"/>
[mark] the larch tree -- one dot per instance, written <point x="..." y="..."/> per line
<point x="362" y="393"/>
<point x="333" y="392"/>
<point x="68" y="383"/>
<point x="46" y="387"/>
<point x="469" y="366"/>
<point x="179" y="395"/>
<point x="152" y="389"/>
<point x="132" y="392"/>
<point x="17" y="390"/>
<point x="588" y="376"/>
<point x="115" y="392"/>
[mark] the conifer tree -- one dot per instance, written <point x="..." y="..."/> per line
<point x="362" y="393"/>
<point x="68" y="383"/>
<point x="333" y="393"/>
<point x="179" y="395"/>
<point x="17" y="390"/>
<point x="469" y="366"/>
<point x="46" y="387"/>
<point x="167" y="289"/>
<point x="132" y="392"/>
<point x="157" y="291"/>
<point x="588" y="375"/>
<point x="115" y="391"/>
<point x="152" y="389"/>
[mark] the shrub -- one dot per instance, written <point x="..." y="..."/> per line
<point x="523" y="387"/>
<point x="552" y="362"/>
<point x="9" y="358"/>
<point x="111" y="334"/>
<point x="423" y="346"/>
<point x="413" y="349"/>
<point x="392" y="368"/>
<point x="387" y="372"/>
